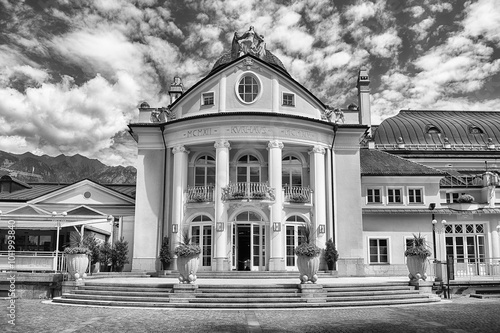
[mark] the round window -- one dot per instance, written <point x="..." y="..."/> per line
<point x="248" y="89"/>
<point x="87" y="195"/>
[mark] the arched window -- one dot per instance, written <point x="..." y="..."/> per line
<point x="248" y="89"/>
<point x="248" y="169"/>
<point x="204" y="171"/>
<point x="291" y="171"/>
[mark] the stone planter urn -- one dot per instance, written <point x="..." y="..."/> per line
<point x="417" y="266"/>
<point x="77" y="265"/>
<point x="188" y="266"/>
<point x="308" y="268"/>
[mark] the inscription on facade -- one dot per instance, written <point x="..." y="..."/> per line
<point x="200" y="132"/>
<point x="249" y="130"/>
<point x="297" y="133"/>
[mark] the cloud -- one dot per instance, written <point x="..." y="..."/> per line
<point x="483" y="19"/>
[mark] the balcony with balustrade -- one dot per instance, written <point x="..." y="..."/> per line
<point x="248" y="191"/>
<point x="200" y="194"/>
<point x="297" y="194"/>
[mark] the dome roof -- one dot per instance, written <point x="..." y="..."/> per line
<point x="269" y="58"/>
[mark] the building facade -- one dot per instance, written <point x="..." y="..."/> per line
<point x="247" y="156"/>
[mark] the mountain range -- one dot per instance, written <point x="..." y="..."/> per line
<point x="31" y="168"/>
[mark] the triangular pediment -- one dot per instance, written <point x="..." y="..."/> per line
<point x="85" y="192"/>
<point x="28" y="210"/>
<point x="84" y="211"/>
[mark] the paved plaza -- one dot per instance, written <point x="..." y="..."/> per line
<point x="461" y="314"/>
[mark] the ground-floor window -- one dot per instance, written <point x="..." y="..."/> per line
<point x="294" y="229"/>
<point x="201" y="235"/>
<point x="379" y="249"/>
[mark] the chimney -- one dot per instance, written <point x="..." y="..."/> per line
<point x="364" y="97"/>
<point x="176" y="89"/>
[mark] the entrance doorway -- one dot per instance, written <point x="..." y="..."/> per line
<point x="249" y="242"/>
<point x="244" y="247"/>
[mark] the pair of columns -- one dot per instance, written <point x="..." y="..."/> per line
<point x="275" y="147"/>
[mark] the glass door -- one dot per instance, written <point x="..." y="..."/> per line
<point x="201" y="235"/>
<point x="249" y="247"/>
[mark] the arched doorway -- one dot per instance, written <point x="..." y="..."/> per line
<point x="249" y="242"/>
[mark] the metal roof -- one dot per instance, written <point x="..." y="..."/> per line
<point x="465" y="129"/>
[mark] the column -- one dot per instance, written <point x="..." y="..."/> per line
<point x="277" y="257"/>
<point x="318" y="183"/>
<point x="179" y="186"/>
<point x="221" y="257"/>
<point x="495" y="240"/>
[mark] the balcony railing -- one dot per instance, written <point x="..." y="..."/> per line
<point x="297" y="194"/>
<point x="470" y="268"/>
<point x="254" y="191"/>
<point x="31" y="261"/>
<point x="200" y="193"/>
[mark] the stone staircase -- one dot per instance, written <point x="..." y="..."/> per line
<point x="243" y="296"/>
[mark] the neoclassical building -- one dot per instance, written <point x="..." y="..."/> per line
<point x="244" y="158"/>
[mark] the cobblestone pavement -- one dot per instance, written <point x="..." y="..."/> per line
<point x="461" y="314"/>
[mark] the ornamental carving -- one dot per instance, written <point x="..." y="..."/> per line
<point x="317" y="150"/>
<point x="180" y="149"/>
<point x="333" y="115"/>
<point x="275" y="144"/>
<point x="222" y="144"/>
<point x="249" y="42"/>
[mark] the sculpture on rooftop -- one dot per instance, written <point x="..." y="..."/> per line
<point x="249" y="42"/>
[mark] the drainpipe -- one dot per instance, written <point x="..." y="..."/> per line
<point x="331" y="207"/>
<point x="162" y="202"/>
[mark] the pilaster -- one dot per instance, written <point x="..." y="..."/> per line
<point x="318" y="182"/>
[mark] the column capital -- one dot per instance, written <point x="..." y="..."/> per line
<point x="317" y="150"/>
<point x="222" y="144"/>
<point x="275" y="144"/>
<point x="180" y="149"/>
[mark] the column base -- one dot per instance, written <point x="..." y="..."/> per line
<point x="351" y="267"/>
<point x="277" y="265"/>
<point x="144" y="264"/>
<point x="221" y="265"/>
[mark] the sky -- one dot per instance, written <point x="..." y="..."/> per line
<point x="72" y="73"/>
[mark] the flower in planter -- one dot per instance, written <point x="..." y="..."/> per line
<point x="418" y="248"/>
<point x="77" y="250"/>
<point x="308" y="248"/>
<point x="298" y="198"/>
<point x="238" y="195"/>
<point x="465" y="198"/>
<point x="258" y="195"/>
<point x="185" y="248"/>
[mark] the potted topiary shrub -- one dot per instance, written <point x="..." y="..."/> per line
<point x="119" y="255"/>
<point x="188" y="256"/>
<point x="331" y="254"/>
<point x="105" y="256"/>
<point x="77" y="257"/>
<point x="92" y="244"/>
<point x="308" y="257"/>
<point x="165" y="254"/>
<point x="416" y="258"/>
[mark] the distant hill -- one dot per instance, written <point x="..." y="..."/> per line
<point x="63" y="169"/>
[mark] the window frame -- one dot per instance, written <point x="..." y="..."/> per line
<point x="393" y="188"/>
<point x="381" y="194"/>
<point x="378" y="239"/>
<point x="203" y="96"/>
<point x="205" y="167"/>
<point x="413" y="188"/>
<point x="237" y="85"/>
<point x="287" y="166"/>
<point x="283" y="99"/>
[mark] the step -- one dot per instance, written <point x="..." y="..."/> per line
<point x="244" y="305"/>
<point x="371" y="293"/>
<point x="119" y="288"/>
<point x="366" y="288"/>
<point x="247" y="290"/>
<point x="159" y="293"/>
<point x="372" y="298"/>
<point x="231" y="300"/>
<point x="138" y="285"/>
<point x="115" y="298"/>
<point x="246" y="295"/>
<point x="488" y="291"/>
